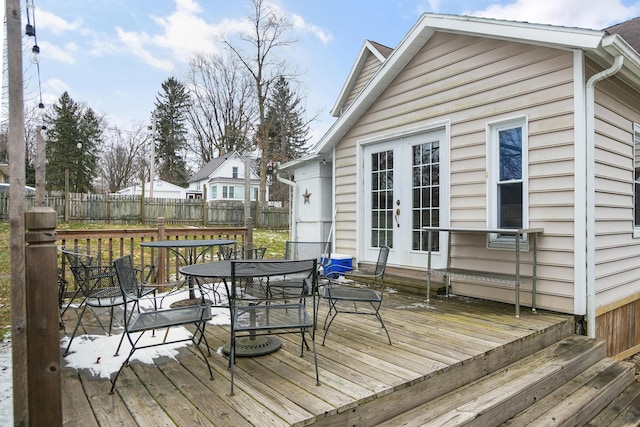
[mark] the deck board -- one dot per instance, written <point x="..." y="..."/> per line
<point x="358" y="369"/>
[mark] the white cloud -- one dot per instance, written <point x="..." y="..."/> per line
<point x="300" y="25"/>
<point x="62" y="54"/>
<point x="54" y="23"/>
<point x="594" y="14"/>
<point x="55" y="85"/>
<point x="136" y="43"/>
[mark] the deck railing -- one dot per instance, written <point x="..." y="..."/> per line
<point x="109" y="244"/>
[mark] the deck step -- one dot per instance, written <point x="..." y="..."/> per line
<point x="501" y="395"/>
<point x="623" y="411"/>
<point x="580" y="399"/>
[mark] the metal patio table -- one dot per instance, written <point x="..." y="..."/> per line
<point x="192" y="254"/>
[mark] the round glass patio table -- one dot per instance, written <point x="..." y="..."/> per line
<point x="246" y="346"/>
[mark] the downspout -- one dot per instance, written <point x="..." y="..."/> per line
<point x="294" y="205"/>
<point x="590" y="188"/>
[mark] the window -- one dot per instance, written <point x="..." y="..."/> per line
<point x="255" y="193"/>
<point x="214" y="192"/>
<point x="228" y="191"/>
<point x="636" y="179"/>
<point x="382" y="199"/>
<point x="234" y="173"/>
<point x="426" y="194"/>
<point x="508" y="174"/>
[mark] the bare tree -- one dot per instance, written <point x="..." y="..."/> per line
<point x="222" y="106"/>
<point x="269" y="33"/>
<point x="124" y="159"/>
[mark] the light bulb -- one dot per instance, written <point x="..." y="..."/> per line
<point x="35" y="51"/>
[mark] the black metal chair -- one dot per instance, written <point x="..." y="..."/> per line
<point x="97" y="285"/>
<point x="141" y="322"/>
<point x="230" y="253"/>
<point x="256" y="310"/>
<point x="359" y="288"/>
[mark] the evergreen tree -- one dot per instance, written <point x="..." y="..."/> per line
<point x="171" y="114"/>
<point x="73" y="144"/>
<point x="287" y="133"/>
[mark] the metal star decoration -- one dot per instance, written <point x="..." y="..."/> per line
<point x="306" y="196"/>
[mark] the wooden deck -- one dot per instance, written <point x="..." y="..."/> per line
<point x="435" y="347"/>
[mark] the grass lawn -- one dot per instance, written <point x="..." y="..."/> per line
<point x="273" y="240"/>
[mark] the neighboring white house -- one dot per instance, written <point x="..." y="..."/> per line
<point x="224" y="179"/>
<point x="161" y="189"/>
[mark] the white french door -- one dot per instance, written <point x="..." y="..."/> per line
<point x="403" y="192"/>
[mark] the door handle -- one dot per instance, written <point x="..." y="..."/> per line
<point x="396" y="216"/>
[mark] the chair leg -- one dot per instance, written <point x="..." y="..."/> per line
<point x="326" y="329"/>
<point x="200" y="327"/>
<point x="232" y="358"/>
<point x="84" y="307"/>
<point x="377" y="314"/>
<point x="113" y="382"/>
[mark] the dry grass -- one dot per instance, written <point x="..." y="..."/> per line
<point x="273" y="240"/>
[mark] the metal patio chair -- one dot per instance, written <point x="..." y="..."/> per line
<point x="136" y="322"/>
<point x="257" y="311"/>
<point x="96" y="286"/>
<point x="229" y="253"/>
<point x="360" y="289"/>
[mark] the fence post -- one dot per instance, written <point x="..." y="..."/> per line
<point x="204" y="205"/>
<point x="43" y="341"/>
<point x="142" y="218"/>
<point x="66" y="195"/>
<point x="161" y="252"/>
<point x="248" y="244"/>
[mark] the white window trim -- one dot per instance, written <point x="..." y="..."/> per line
<point x="636" y="228"/>
<point x="493" y="163"/>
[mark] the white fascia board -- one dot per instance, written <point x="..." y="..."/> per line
<point x="293" y="164"/>
<point x="517" y="31"/>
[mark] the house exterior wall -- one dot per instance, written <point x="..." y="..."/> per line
<point x="371" y="65"/>
<point x="616" y="249"/>
<point x="469" y="82"/>
<point x="313" y="215"/>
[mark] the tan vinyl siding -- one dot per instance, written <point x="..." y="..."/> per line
<point x="469" y="82"/>
<point x="617" y="251"/>
<point x="371" y="66"/>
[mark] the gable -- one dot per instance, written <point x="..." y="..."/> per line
<point x="597" y="45"/>
<point x="369" y="61"/>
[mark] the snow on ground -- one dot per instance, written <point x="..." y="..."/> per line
<point x="96" y="352"/>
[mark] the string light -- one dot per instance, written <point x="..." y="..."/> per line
<point x="30" y="31"/>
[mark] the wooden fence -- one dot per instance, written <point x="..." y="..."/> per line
<point x="119" y="209"/>
<point x="108" y="245"/>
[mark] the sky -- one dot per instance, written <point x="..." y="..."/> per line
<point x="114" y="55"/>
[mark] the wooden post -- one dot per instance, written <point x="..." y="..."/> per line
<point x="67" y="202"/>
<point x="142" y="216"/>
<point x="160" y="278"/>
<point x="43" y="341"/>
<point x="248" y="244"/>
<point x="41" y="161"/>
<point x="16" y="153"/>
<point x="205" y="213"/>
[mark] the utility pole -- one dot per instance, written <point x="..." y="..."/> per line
<point x="16" y="215"/>
<point x="41" y="161"/>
